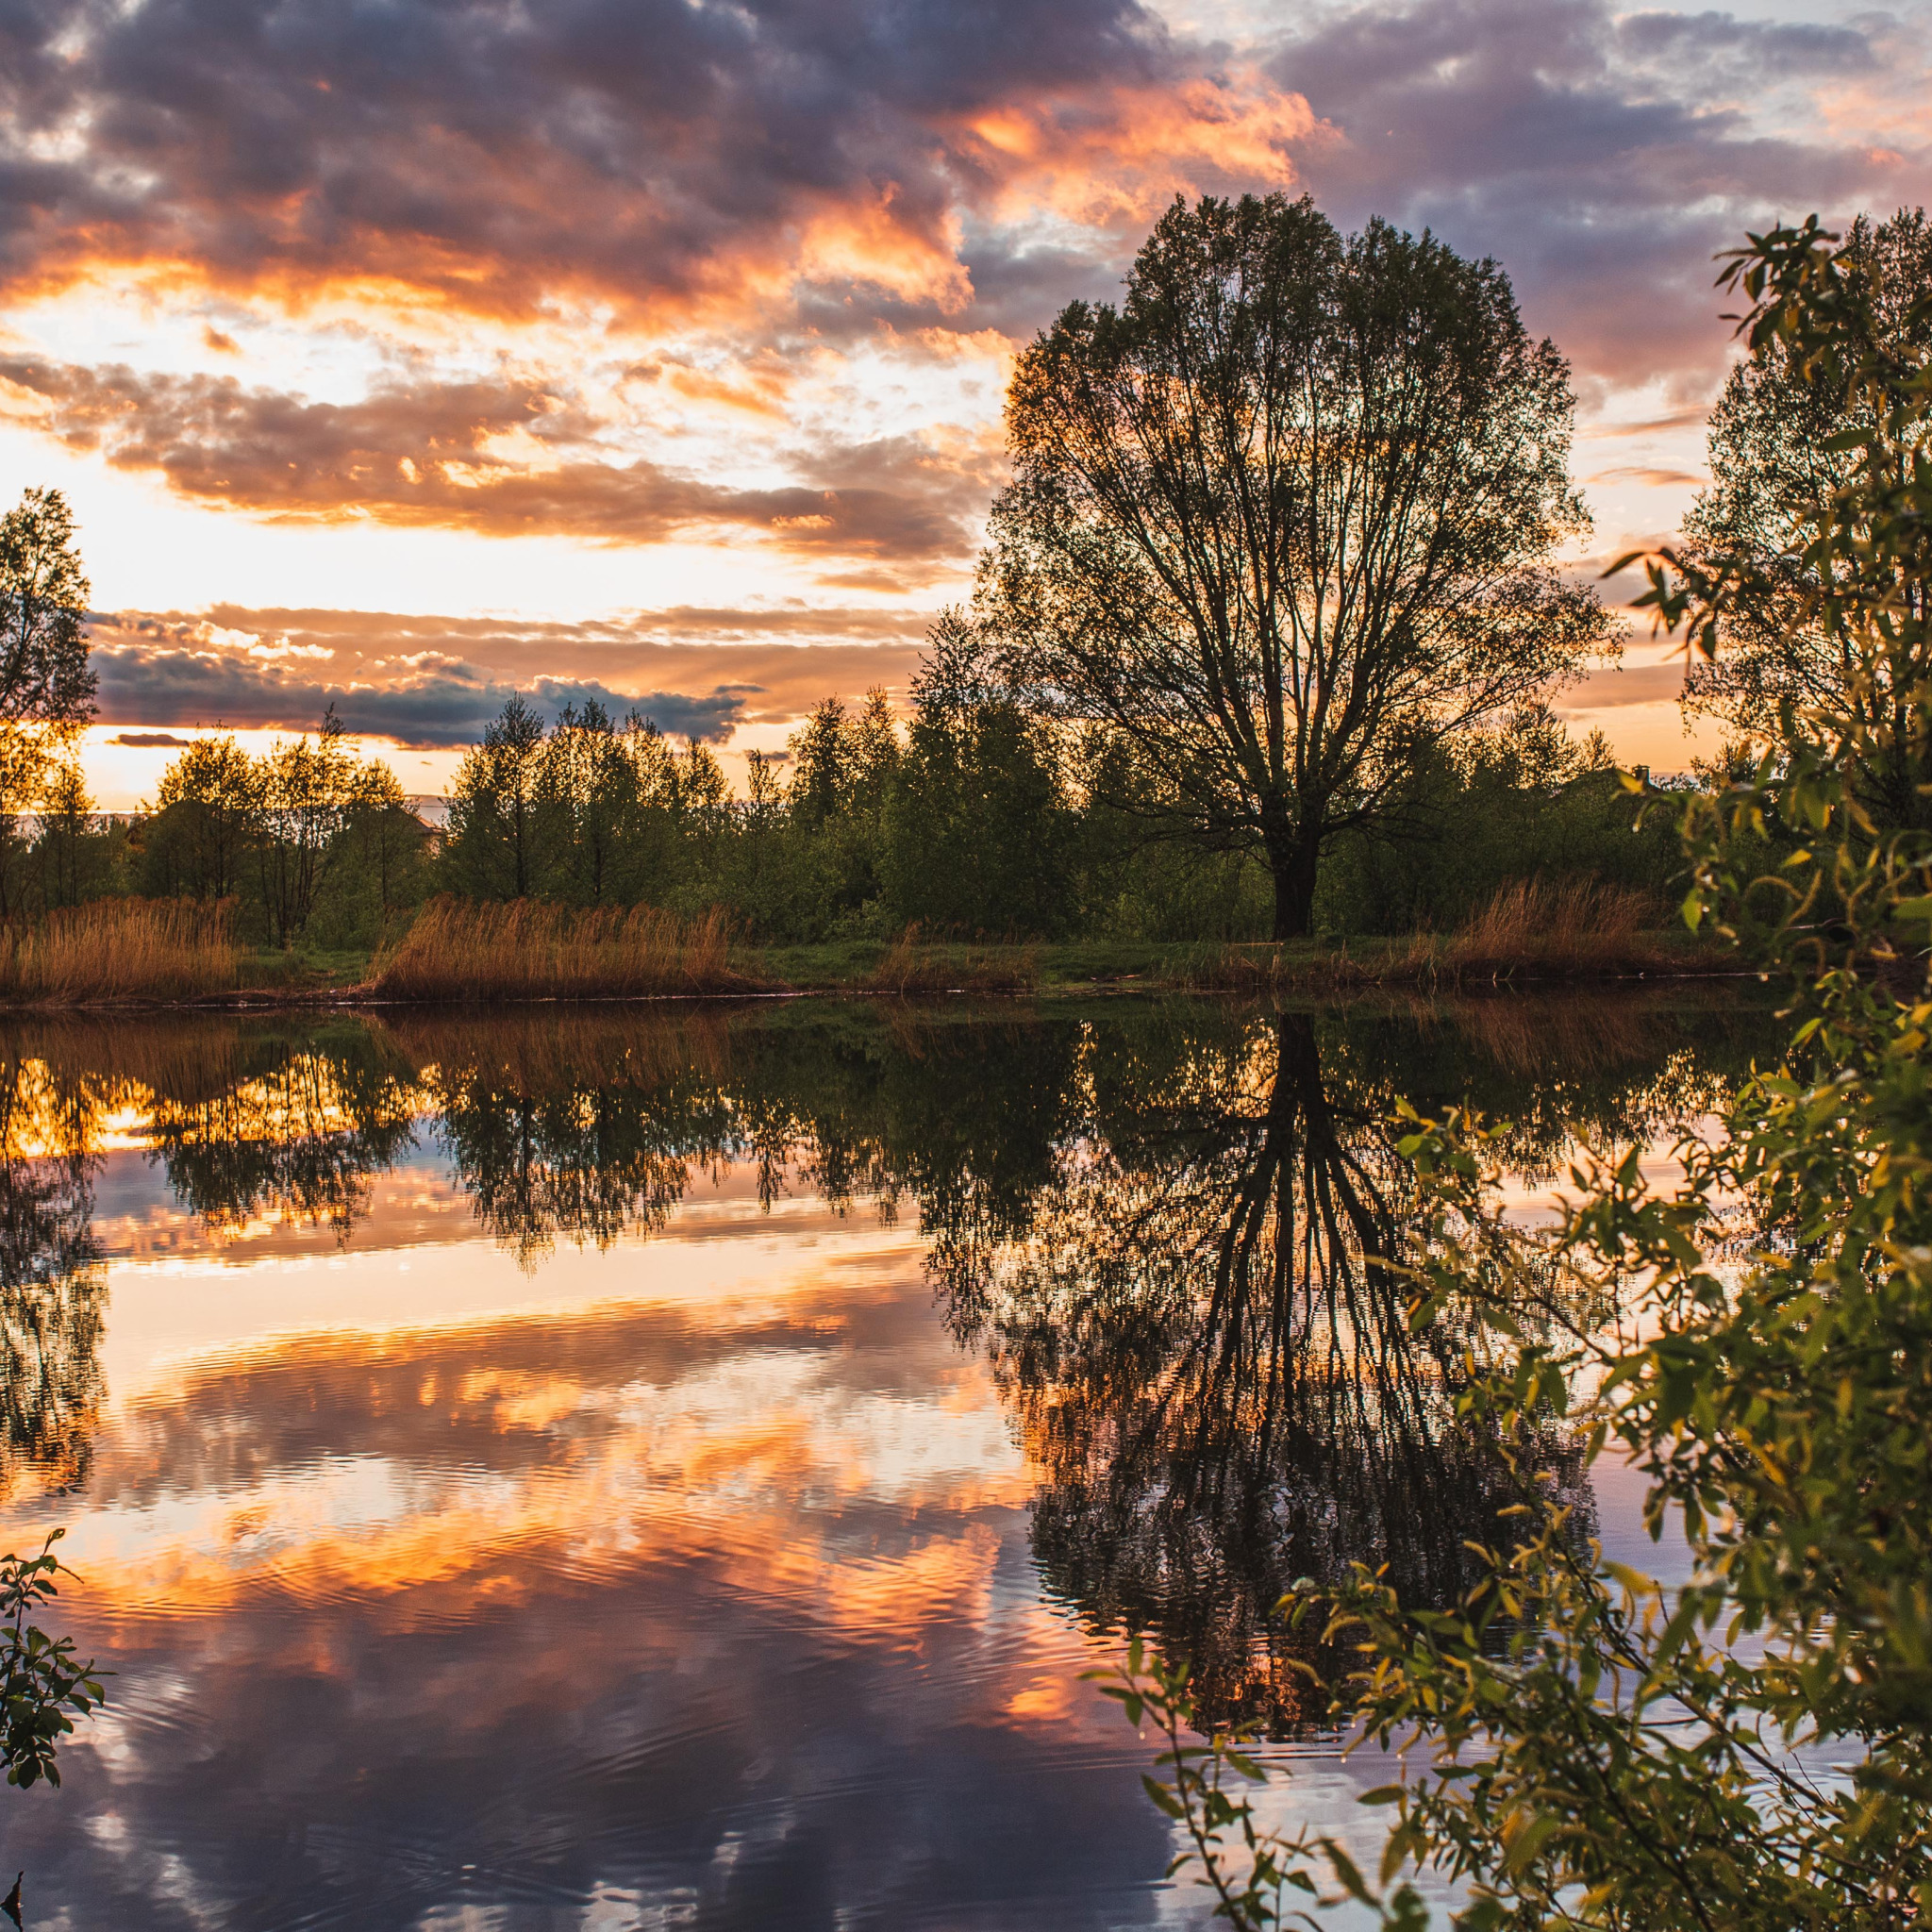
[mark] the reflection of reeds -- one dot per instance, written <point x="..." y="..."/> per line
<point x="551" y="1051"/>
<point x="1527" y="1034"/>
<point x="120" y="949"/>
<point x="459" y="949"/>
<point x="912" y="964"/>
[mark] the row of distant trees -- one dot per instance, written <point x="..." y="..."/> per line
<point x="972" y="817"/>
<point x="1263" y="643"/>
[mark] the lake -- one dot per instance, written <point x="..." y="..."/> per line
<point x="624" y="1467"/>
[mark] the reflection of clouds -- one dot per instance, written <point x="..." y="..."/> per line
<point x="330" y="1449"/>
<point x="701" y="1603"/>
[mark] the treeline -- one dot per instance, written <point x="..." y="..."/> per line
<point x="980" y="818"/>
<point x="972" y="817"/>
<point x="308" y="841"/>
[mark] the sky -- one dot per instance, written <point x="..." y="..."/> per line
<point x="405" y="353"/>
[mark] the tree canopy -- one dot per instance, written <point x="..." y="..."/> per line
<point x="1286" y="520"/>
<point x="44" y="678"/>
<point x="1746" y="1751"/>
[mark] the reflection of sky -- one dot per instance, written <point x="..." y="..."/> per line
<point x="684" y="1583"/>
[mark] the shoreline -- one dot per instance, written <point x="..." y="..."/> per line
<point x="1323" y="979"/>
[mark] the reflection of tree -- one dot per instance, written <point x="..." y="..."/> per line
<point x="299" y="1128"/>
<point x="53" y="1288"/>
<point x="586" y="1144"/>
<point x="1213" y="1369"/>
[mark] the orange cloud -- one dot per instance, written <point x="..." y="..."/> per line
<point x="1123" y="156"/>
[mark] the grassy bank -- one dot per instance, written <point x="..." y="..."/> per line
<point x="460" y="952"/>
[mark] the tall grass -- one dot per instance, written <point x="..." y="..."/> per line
<point x="912" y="964"/>
<point x="120" y="949"/>
<point x="1528" y="929"/>
<point x="459" y="949"/>
<point x="1578" y="928"/>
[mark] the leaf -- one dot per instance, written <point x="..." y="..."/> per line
<point x="1348" y="1873"/>
<point x="1526" y="1843"/>
<point x="1162" y="1799"/>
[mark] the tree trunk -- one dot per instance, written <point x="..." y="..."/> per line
<point x="1294" y="860"/>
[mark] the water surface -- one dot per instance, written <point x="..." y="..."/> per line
<point x="643" y="1468"/>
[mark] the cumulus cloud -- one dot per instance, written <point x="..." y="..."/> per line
<point x="646" y="153"/>
<point x="430" y="681"/>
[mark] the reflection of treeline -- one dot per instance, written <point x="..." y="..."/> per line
<point x="571" y="1112"/>
<point x="52" y="1284"/>
<point x="1206" y="1353"/>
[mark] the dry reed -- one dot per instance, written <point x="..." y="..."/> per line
<point x="912" y="964"/>
<point x="1576" y="929"/>
<point x="120" y="949"/>
<point x="459" y="950"/>
<point x="1528" y="929"/>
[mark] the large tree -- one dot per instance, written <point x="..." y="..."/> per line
<point x="1780" y="455"/>
<point x="1287" y="519"/>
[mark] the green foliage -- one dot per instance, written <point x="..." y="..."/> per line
<point x="1522" y="801"/>
<point x="195" y="844"/>
<point x="305" y="835"/>
<point x="979" y="833"/>
<point x="588" y="813"/>
<point x="43" y="1686"/>
<point x="1779" y="451"/>
<point x="1587" y="1746"/>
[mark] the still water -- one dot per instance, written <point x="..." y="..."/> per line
<point x="628" y="1469"/>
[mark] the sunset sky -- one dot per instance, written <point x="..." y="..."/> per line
<point x="408" y="352"/>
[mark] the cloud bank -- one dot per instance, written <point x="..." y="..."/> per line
<point x="435" y="682"/>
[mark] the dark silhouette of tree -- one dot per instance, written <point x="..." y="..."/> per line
<point x="207" y="817"/>
<point x="1285" y="520"/>
<point x="980" y="830"/>
<point x="493" y="808"/>
<point x="45" y="676"/>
